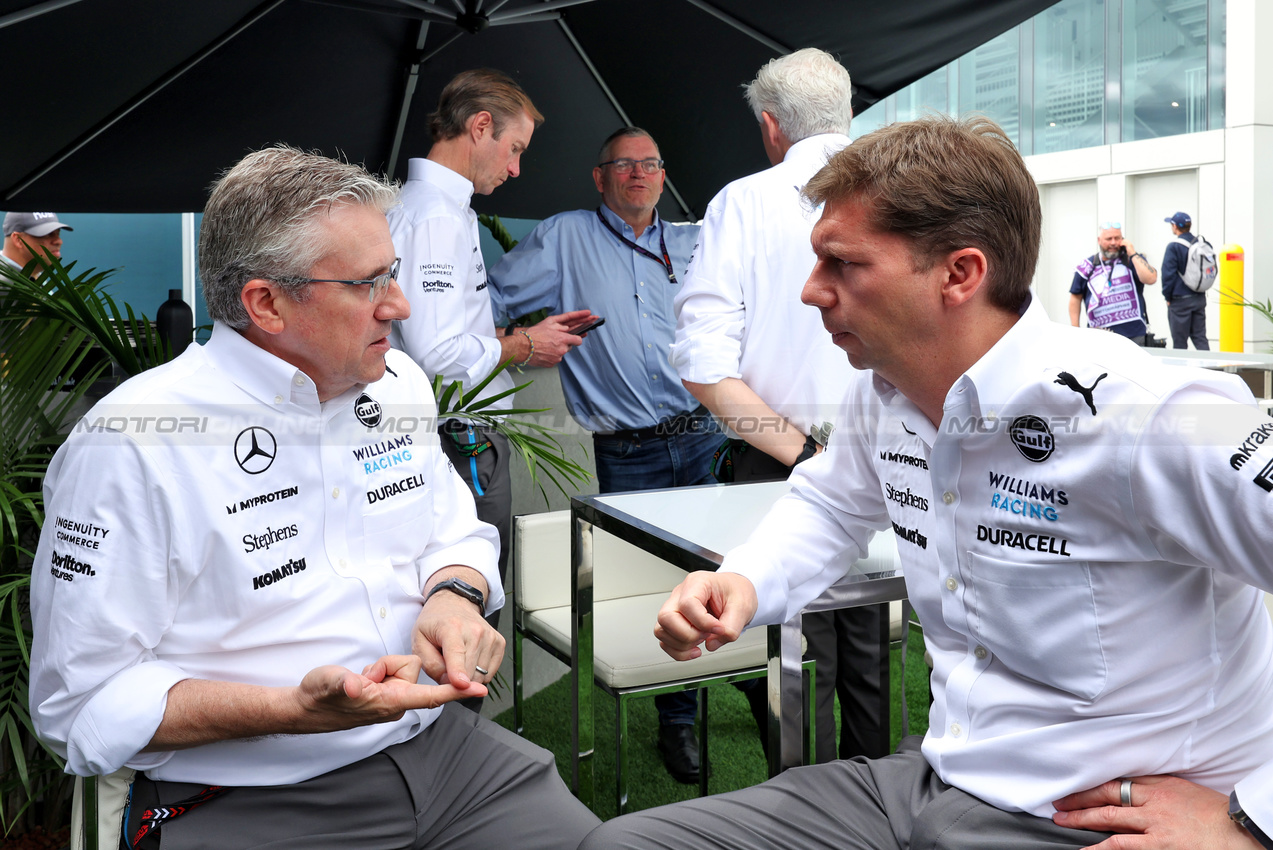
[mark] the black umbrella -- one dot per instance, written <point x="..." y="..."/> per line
<point x="136" y="105"/>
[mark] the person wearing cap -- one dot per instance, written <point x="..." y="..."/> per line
<point x="28" y="234"/>
<point x="1186" y="309"/>
<point x="1111" y="285"/>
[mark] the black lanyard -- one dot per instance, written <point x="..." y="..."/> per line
<point x="665" y="262"/>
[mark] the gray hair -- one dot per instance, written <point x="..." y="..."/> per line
<point x="262" y="221"/>
<point x="807" y="92"/>
<point x="623" y="133"/>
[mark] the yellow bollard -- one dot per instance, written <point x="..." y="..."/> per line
<point x="1232" y="294"/>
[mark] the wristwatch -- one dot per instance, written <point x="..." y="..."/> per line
<point x="1243" y="820"/>
<point x="810" y="449"/>
<point x="463" y="588"/>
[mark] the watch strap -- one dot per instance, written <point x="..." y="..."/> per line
<point x="1242" y="819"/>
<point x="461" y="588"/>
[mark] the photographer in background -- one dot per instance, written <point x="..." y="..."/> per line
<point x="1111" y="284"/>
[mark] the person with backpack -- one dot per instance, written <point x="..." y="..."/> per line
<point x="1188" y="271"/>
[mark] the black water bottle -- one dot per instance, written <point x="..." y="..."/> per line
<point x="175" y="322"/>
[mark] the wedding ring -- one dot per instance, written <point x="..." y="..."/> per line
<point x="1125" y="792"/>
<point x="482" y="671"/>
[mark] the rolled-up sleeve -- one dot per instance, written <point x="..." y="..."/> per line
<point x="710" y="309"/>
<point x="97" y="691"/>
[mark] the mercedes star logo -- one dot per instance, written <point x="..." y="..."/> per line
<point x="254" y="449"/>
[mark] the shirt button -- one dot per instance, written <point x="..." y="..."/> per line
<point x="278" y="399"/>
<point x="647" y="345"/>
<point x="948" y="497"/>
<point x="956" y="730"/>
<point x="990" y="415"/>
<point x="335" y="492"/>
<point x="299" y="380"/>
<point x="641" y="283"/>
<point x="981" y="653"/>
<point x="951" y="584"/>
<point x="655" y="377"/>
<point x="383" y="613"/>
<point x="645" y="315"/>
<point x="343" y="563"/>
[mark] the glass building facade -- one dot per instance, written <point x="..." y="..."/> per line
<point x="1083" y="73"/>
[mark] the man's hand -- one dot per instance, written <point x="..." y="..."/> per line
<point x="1166" y="813"/>
<point x="553" y="339"/>
<point x="708" y="608"/>
<point x="333" y="698"/>
<point x="452" y="641"/>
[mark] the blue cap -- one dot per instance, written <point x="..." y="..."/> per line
<point x="1180" y="219"/>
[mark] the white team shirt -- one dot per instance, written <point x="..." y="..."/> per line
<point x="738" y="311"/>
<point x="212" y="519"/>
<point x="451" y="330"/>
<point x="1085" y="573"/>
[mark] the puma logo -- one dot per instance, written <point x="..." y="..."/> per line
<point x="1065" y="379"/>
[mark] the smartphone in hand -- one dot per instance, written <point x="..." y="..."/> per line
<point x="580" y="330"/>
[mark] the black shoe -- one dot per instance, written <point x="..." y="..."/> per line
<point x="679" y="747"/>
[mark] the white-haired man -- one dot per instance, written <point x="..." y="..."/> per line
<point x="759" y="360"/>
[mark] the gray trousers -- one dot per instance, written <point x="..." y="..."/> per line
<point x="1187" y="318"/>
<point x="863" y="804"/>
<point x="464" y="783"/>
<point x="848" y="649"/>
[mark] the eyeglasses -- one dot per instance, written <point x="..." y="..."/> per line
<point x="625" y="166"/>
<point x="379" y="283"/>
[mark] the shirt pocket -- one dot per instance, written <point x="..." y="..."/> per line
<point x="398" y="527"/>
<point x="1039" y="620"/>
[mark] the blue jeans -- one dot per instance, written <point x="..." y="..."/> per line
<point x="679" y="460"/>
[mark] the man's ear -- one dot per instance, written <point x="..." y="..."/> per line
<point x="481" y="124"/>
<point x="967" y="273"/>
<point x="267" y="306"/>
<point x="596" y="178"/>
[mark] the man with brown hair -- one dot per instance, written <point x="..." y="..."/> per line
<point x="483" y="124"/>
<point x="1101" y="654"/>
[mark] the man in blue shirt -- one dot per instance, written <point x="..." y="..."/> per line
<point x="624" y="263"/>
<point x="1186" y="309"/>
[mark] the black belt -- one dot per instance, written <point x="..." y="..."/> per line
<point x="697" y="421"/>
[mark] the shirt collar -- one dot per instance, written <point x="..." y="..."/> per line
<point x="625" y="228"/>
<point x="822" y="145"/>
<point x="256" y="371"/>
<point x="994" y="378"/>
<point x="453" y="184"/>
<point x="1004" y="369"/>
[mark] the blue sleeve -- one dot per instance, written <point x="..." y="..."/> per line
<point x="528" y="278"/>
<point x="1078" y="286"/>
<point x="1171" y="266"/>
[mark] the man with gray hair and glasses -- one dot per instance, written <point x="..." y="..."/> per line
<point x="758" y="358"/>
<point x="271" y="503"/>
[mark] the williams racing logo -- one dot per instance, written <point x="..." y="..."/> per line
<point x="1264" y="478"/>
<point x="254" y="450"/>
<point x="367" y="409"/>
<point x="1032" y="437"/>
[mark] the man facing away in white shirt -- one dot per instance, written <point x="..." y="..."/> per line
<point x="759" y="361"/>
<point x="1083" y="530"/>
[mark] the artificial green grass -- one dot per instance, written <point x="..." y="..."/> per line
<point x="736" y="758"/>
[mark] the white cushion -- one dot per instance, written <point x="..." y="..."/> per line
<point x="626" y="653"/>
<point x="542" y="564"/>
